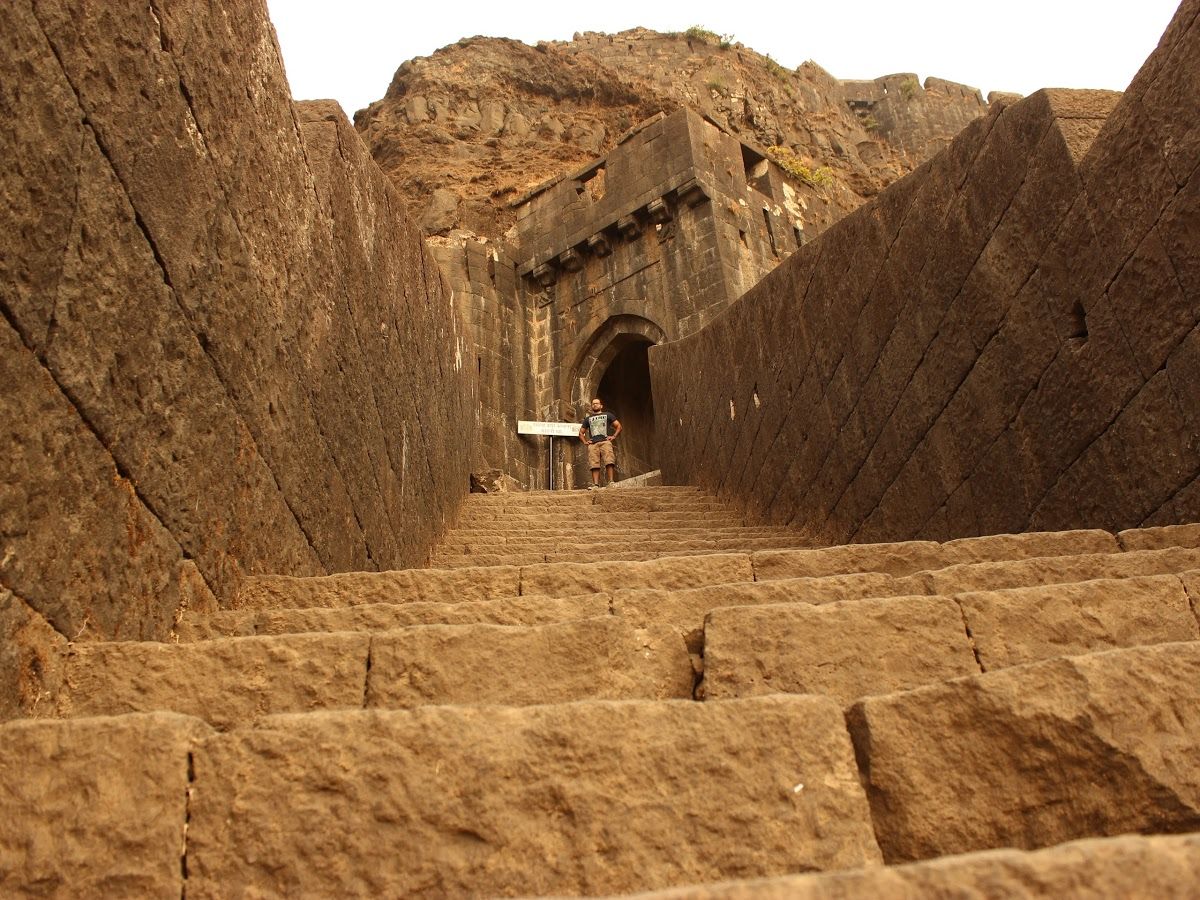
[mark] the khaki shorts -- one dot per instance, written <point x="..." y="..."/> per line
<point x="601" y="454"/>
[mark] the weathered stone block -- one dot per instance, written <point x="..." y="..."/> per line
<point x="1035" y="755"/>
<point x="1160" y="538"/>
<point x="400" y="586"/>
<point x="986" y="576"/>
<point x="845" y="650"/>
<point x="685" y="609"/>
<point x="225" y="682"/>
<point x="565" y="579"/>
<point x="454" y="800"/>
<point x="1022" y="625"/>
<point x="95" y="806"/>
<point x="32" y="654"/>
<point x="1131" y="865"/>
<point x="893" y="559"/>
<point x="591" y="659"/>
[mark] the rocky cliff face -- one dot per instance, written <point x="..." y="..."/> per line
<point x="469" y="130"/>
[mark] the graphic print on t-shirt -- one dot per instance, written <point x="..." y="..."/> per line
<point x="598" y="426"/>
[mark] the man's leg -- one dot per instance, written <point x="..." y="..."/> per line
<point x="612" y="473"/>
<point x="594" y="463"/>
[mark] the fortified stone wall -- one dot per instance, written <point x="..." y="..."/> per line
<point x="918" y="120"/>
<point x="225" y="350"/>
<point x="483" y="278"/>
<point x="1005" y="340"/>
<point x="645" y="245"/>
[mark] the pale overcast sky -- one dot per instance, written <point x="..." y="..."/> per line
<point x="348" y="49"/>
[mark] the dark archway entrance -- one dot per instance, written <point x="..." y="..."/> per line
<point x="625" y="389"/>
<point x="613" y="364"/>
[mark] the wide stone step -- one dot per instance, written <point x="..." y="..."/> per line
<point x="526" y="610"/>
<point x="581" y="798"/>
<point x="583" y="497"/>
<point x="396" y="586"/>
<point x="1051" y="570"/>
<point x="685" y="609"/>
<point x="575" y="534"/>
<point x="860" y="648"/>
<point x="566" y="518"/>
<point x="894" y="558"/>
<point x="1165" y="866"/>
<point x="1035" y="755"/>
<point x="906" y="557"/>
<point x="632" y="550"/>
<point x="234" y="680"/>
<point x="489" y="582"/>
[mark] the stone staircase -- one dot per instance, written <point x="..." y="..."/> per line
<point x="629" y="690"/>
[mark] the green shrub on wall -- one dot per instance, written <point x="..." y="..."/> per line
<point x="787" y="159"/>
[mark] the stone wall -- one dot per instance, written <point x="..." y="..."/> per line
<point x="483" y="278"/>
<point x="647" y="244"/>
<point x="1005" y="340"/>
<point x="225" y="350"/>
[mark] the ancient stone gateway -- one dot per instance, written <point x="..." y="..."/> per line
<point x="643" y="246"/>
<point x="614" y="365"/>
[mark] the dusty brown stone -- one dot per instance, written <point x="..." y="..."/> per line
<point x="684" y="610"/>
<point x="986" y="576"/>
<point x="80" y="545"/>
<point x="892" y="559"/>
<point x="1127" y="866"/>
<point x="31" y="660"/>
<point x="1160" y="538"/>
<point x="461" y="798"/>
<point x="1029" y="545"/>
<point x="564" y="579"/>
<point x="225" y="682"/>
<point x="400" y="586"/>
<point x="1022" y="625"/>
<point x="387" y="616"/>
<point x="846" y="650"/>
<point x="226" y="251"/>
<point x="591" y="659"/>
<point x="907" y="557"/>
<point x="95" y="806"/>
<point x="1084" y="746"/>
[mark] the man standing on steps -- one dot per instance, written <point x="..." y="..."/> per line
<point x="598" y="430"/>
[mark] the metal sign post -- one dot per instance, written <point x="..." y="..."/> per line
<point x="550" y="430"/>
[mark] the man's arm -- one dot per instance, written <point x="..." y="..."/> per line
<point x="583" y="434"/>
<point x="616" y="428"/>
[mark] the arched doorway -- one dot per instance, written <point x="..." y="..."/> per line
<point x="614" y="365"/>
<point x="625" y="389"/>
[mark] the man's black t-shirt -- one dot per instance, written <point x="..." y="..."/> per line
<point x="599" y="426"/>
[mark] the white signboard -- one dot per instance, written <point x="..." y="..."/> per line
<point x="553" y="429"/>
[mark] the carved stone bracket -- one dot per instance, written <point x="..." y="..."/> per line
<point x="629" y="227"/>
<point x="691" y="192"/>
<point x="658" y="211"/>
<point x="570" y="260"/>
<point x="599" y="245"/>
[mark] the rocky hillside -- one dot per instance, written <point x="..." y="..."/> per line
<point x="467" y="131"/>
